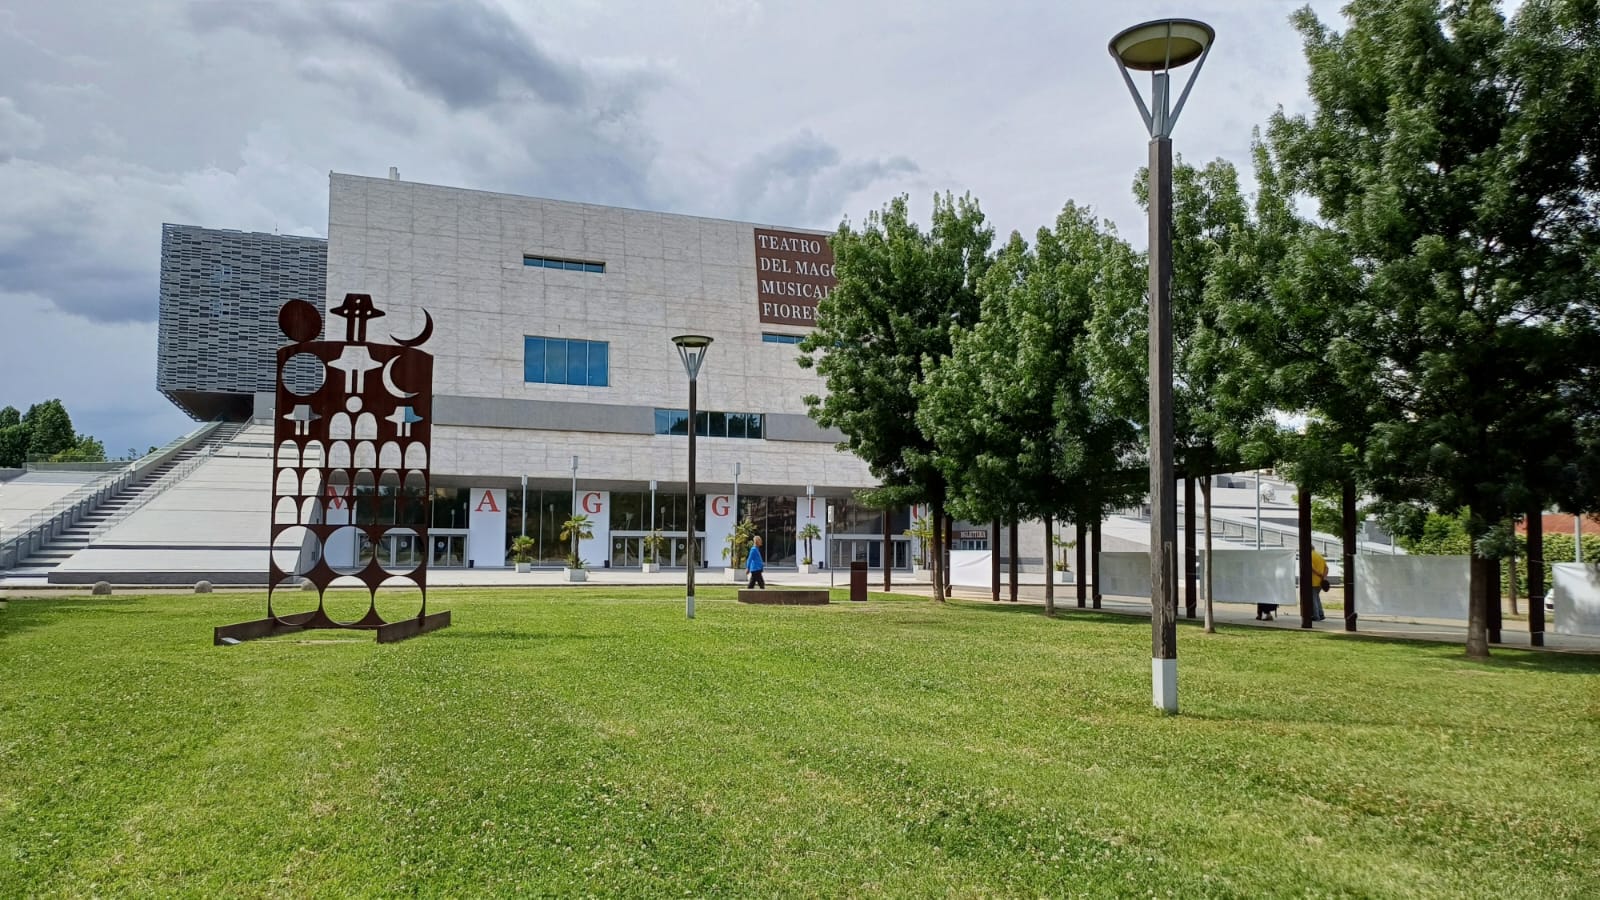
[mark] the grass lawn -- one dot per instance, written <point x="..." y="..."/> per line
<point x="591" y="740"/>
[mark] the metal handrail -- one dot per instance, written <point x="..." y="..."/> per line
<point x="156" y="489"/>
<point x="16" y="542"/>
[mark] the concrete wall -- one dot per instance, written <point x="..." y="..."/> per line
<point x="459" y="254"/>
<point x="1577" y="598"/>
<point x="1430" y="587"/>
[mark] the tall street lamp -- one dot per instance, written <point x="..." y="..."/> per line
<point x="692" y="350"/>
<point x="1159" y="47"/>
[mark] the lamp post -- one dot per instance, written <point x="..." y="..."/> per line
<point x="692" y="350"/>
<point x="1158" y="47"/>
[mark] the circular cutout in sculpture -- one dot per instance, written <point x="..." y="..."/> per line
<point x="303" y="374"/>
<point x="347" y="600"/>
<point x="296" y="550"/>
<point x="398" y="598"/>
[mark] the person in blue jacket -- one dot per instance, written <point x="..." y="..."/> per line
<point x="755" y="564"/>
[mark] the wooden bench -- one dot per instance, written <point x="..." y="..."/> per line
<point x="785" y="597"/>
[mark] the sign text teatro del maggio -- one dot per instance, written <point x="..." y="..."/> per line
<point x="793" y="271"/>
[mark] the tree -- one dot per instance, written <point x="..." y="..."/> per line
<point x="49" y="429"/>
<point x="810" y="532"/>
<point x="738" y="543"/>
<point x="13" y="446"/>
<point x="1455" y="160"/>
<point x="575" y="529"/>
<point x="901" y="293"/>
<point x="1013" y="408"/>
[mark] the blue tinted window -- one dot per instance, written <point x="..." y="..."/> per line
<point x="555" y="361"/>
<point x="577" y="362"/>
<point x="719" y="424"/>
<point x="736" y="425"/>
<point x="599" y="364"/>
<point x="533" y="359"/>
<point x="663" y="421"/>
<point x="710" y="424"/>
<point x="771" y="338"/>
<point x="753" y="424"/>
<point x="597" y="268"/>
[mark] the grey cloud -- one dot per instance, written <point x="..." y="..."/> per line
<point x="805" y="181"/>
<point x="467" y="55"/>
<point x="18" y="130"/>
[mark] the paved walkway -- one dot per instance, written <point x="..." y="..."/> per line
<point x="1514" y="633"/>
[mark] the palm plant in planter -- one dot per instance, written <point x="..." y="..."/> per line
<point x="744" y="534"/>
<point x="522" y="552"/>
<point x="578" y="528"/>
<point x="808" y="534"/>
<point x="653" y="542"/>
<point x="921" y="530"/>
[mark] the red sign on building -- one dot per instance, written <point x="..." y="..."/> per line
<point x="794" y="270"/>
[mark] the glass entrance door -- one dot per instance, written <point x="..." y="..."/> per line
<point x="626" y="550"/>
<point x="448" y="549"/>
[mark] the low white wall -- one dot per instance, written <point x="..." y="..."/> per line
<point x="1577" y="598"/>
<point x="1429" y="587"/>
<point x="1124" y="574"/>
<point x="1250" y="576"/>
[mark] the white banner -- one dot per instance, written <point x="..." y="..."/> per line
<point x="1425" y="587"/>
<point x="1576" y="598"/>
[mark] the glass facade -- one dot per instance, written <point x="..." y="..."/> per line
<point x="548" y="360"/>
<point x="711" y="424"/>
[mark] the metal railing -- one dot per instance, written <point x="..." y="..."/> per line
<point x="155" y="489"/>
<point x="1274" y="535"/>
<point x="20" y="540"/>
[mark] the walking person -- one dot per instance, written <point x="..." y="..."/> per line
<point x="755" y="564"/>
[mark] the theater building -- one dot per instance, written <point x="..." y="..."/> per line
<point x="557" y="386"/>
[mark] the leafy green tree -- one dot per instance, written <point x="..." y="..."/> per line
<point x="1452" y="154"/>
<point x="1013" y="408"/>
<point x="808" y="533"/>
<point x="13" y="446"/>
<point x="87" y="449"/>
<point x="49" y="429"/>
<point x="901" y="294"/>
<point x="9" y="416"/>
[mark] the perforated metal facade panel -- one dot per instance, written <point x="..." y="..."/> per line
<point x="220" y="295"/>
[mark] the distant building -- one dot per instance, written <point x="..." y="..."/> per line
<point x="218" y="327"/>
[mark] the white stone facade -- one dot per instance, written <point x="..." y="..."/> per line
<point x="459" y="254"/>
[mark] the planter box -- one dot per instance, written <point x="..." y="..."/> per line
<point x="806" y="568"/>
<point x="649" y="568"/>
<point x="524" y="568"/>
<point x="735" y="575"/>
<point x="576" y="574"/>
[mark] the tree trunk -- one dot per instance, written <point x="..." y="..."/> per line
<point x="1049" y="574"/>
<point x="1189" y="573"/>
<point x="1013" y="561"/>
<point x="1349" y="522"/>
<point x="936" y="522"/>
<point x="994" y="562"/>
<point x="1081" y="578"/>
<point x="1094" y="557"/>
<point x="1211" y="622"/>
<point x="888" y="548"/>
<point x="949" y="545"/>
<point x="1478" y="608"/>
<point x="1495" y="610"/>
<point x="1307" y="611"/>
<point x="1511" y="564"/>
<point x="1536" y="577"/>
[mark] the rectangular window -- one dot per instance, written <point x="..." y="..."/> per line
<point x="548" y="360"/>
<point x="710" y="424"/>
<point x="533" y="360"/>
<point x="772" y="338"/>
<point x="570" y="265"/>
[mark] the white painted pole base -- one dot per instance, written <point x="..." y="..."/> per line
<point x="1164" y="684"/>
<point x="688" y="607"/>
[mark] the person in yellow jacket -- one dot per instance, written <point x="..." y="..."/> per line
<point x="1319" y="584"/>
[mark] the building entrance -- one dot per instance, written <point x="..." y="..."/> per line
<point x="448" y="549"/>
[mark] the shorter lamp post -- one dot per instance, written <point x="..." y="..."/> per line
<point x="692" y="350"/>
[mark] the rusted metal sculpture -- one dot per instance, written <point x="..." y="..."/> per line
<point x="351" y="493"/>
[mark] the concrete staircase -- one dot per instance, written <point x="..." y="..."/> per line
<point x="78" y="536"/>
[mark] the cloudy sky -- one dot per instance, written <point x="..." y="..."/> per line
<point x="115" y="118"/>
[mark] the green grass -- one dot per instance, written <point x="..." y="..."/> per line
<point x="592" y="741"/>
